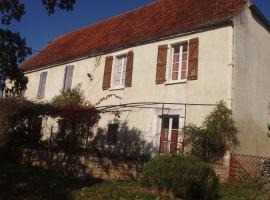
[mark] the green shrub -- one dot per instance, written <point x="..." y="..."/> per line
<point x="73" y="96"/>
<point x="20" y="121"/>
<point x="184" y="176"/>
<point x="215" y="137"/>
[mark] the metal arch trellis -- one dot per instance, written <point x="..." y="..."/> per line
<point x="141" y="105"/>
<point x="150" y="105"/>
<point x="147" y="105"/>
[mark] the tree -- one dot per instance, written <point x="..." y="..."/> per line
<point x="217" y="135"/>
<point x="13" y="48"/>
<point x="73" y="96"/>
<point x="21" y="121"/>
<point x="77" y="119"/>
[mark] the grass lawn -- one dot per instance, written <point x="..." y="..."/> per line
<point x="22" y="182"/>
<point x="248" y="191"/>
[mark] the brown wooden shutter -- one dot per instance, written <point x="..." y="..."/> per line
<point x="161" y="64"/>
<point x="42" y="84"/>
<point x="193" y="59"/>
<point x="68" y="78"/>
<point x="107" y="73"/>
<point x="128" y="81"/>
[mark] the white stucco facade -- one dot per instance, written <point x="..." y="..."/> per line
<point x="233" y="66"/>
<point x="214" y="83"/>
<point x="251" y="83"/>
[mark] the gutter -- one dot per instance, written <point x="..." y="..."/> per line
<point x="198" y="29"/>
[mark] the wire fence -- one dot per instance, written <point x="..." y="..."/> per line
<point x="246" y="168"/>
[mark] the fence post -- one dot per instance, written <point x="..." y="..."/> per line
<point x="231" y="160"/>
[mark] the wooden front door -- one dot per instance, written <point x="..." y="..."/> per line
<point x="169" y="134"/>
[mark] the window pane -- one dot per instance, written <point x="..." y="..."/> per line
<point x="125" y="62"/>
<point x="120" y="70"/>
<point x="176" y="58"/>
<point x="185" y="46"/>
<point x="176" y="49"/>
<point x="124" y="70"/>
<point x="184" y="71"/>
<point x="165" y="122"/>
<point x="184" y="57"/>
<point x="175" y="67"/>
<point x="183" y="75"/>
<point x="118" y="79"/>
<point x="120" y="61"/>
<point x="175" y="76"/>
<point x="184" y="66"/>
<point x="112" y="134"/>
<point x="175" y="123"/>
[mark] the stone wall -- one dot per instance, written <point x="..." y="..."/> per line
<point x="266" y="171"/>
<point x="83" y="165"/>
<point x="222" y="172"/>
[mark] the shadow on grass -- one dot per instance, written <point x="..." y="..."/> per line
<point x="23" y="182"/>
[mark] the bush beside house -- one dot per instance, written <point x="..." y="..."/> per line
<point x="217" y="135"/>
<point x="184" y="176"/>
<point x="21" y="121"/>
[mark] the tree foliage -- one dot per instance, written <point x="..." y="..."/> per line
<point x="70" y="97"/>
<point x="217" y="135"/>
<point x="13" y="48"/>
<point x="18" y="121"/>
<point x="21" y="122"/>
<point x="77" y="118"/>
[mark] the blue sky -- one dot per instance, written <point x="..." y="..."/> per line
<point x="38" y="28"/>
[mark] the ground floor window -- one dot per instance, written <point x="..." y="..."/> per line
<point x="112" y="134"/>
<point x="169" y="134"/>
<point x="37" y="126"/>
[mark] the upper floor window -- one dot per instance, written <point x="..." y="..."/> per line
<point x="42" y="84"/>
<point x="179" y="62"/>
<point x="68" y="78"/>
<point x="120" y="71"/>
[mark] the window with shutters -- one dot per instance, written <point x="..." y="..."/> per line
<point x="179" y="62"/>
<point x="112" y="134"/>
<point x="42" y="85"/>
<point x="120" y="71"/>
<point x="67" y="83"/>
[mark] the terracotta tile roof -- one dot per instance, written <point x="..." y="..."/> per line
<point x="161" y="18"/>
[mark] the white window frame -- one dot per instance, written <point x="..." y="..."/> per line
<point x="171" y="117"/>
<point x="123" y="66"/>
<point x="114" y="72"/>
<point x="170" y="112"/>
<point x="169" y="66"/>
